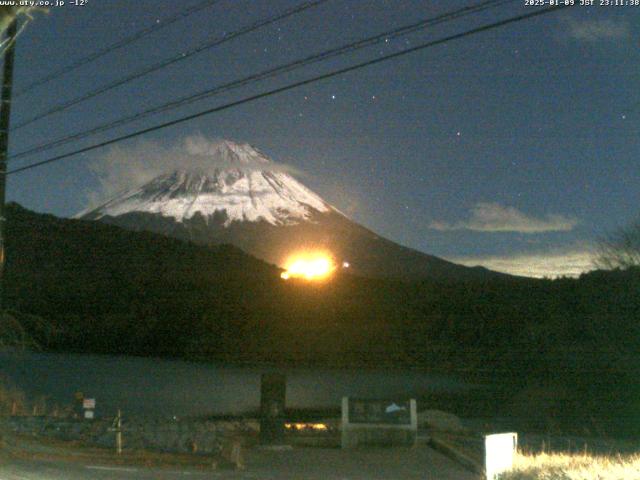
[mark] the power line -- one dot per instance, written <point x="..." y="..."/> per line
<point x="291" y="86"/>
<point x="8" y="42"/>
<point x="119" y="44"/>
<point x="174" y="59"/>
<point x="269" y="73"/>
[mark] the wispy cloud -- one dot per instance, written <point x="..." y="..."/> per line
<point x="493" y="217"/>
<point x="552" y="264"/>
<point x="593" y="30"/>
<point x="125" y="167"/>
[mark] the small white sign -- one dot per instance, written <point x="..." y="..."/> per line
<point x="500" y="449"/>
<point x="89" y="403"/>
<point x="88" y="414"/>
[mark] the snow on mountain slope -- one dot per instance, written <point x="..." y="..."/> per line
<point x="242" y="182"/>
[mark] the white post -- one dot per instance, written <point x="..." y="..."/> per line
<point x="119" y="433"/>
<point x="413" y="407"/>
<point x="346" y="442"/>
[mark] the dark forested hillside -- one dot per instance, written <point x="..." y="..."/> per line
<point x="571" y="345"/>
<point x="106" y="289"/>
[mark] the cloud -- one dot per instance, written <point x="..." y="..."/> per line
<point x="126" y="167"/>
<point x="594" y="30"/>
<point x="493" y="217"/>
<point x="551" y="264"/>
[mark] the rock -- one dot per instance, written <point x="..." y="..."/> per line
<point x="252" y="425"/>
<point x="107" y="440"/>
<point x="439" y="420"/>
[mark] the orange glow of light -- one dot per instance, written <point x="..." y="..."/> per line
<point x="306" y="426"/>
<point x="310" y="266"/>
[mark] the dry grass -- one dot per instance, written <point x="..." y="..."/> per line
<point x="559" y="466"/>
<point x="12" y="399"/>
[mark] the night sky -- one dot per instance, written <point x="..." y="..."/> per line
<point x="515" y="148"/>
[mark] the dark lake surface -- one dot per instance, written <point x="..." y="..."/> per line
<point x="151" y="386"/>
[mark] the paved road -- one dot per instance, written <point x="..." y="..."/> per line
<point x="301" y="463"/>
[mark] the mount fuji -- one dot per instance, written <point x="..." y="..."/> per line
<point x="241" y="197"/>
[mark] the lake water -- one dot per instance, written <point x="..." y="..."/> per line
<point x="154" y="386"/>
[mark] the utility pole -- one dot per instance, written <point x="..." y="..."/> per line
<point x="5" y="117"/>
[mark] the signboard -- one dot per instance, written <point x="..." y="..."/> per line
<point x="89" y="403"/>
<point x="88" y="414"/>
<point x="388" y="412"/>
<point x="378" y="422"/>
<point x="500" y="449"/>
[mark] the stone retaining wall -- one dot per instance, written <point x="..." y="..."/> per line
<point x="168" y="435"/>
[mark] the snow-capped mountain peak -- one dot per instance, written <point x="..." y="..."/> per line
<point x="228" y="153"/>
<point x="240" y="183"/>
